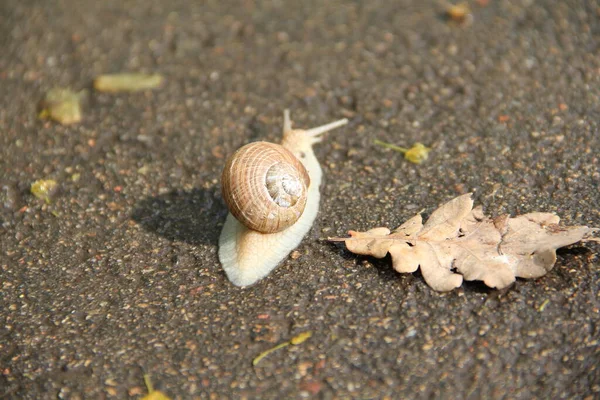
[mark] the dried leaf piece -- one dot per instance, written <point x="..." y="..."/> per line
<point x="44" y="189"/>
<point x="127" y="82"/>
<point x="416" y="154"/>
<point x="458" y="242"/>
<point x="62" y="105"/>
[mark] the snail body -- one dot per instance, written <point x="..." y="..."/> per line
<point x="272" y="192"/>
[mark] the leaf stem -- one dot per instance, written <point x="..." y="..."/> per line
<point x="148" y="383"/>
<point x="390" y="146"/>
<point x="265" y="353"/>
<point x="296" y="340"/>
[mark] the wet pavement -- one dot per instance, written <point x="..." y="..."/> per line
<point x="118" y="275"/>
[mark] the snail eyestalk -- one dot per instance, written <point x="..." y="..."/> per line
<point x="287" y="122"/>
<point x="326" y="128"/>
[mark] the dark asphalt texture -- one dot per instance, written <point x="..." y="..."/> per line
<point x="118" y="276"/>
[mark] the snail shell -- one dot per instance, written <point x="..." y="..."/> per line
<point x="245" y="253"/>
<point x="265" y="187"/>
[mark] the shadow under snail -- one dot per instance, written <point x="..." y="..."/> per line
<point x="272" y="192"/>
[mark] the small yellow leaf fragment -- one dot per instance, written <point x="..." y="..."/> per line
<point x="301" y="338"/>
<point x="44" y="189"/>
<point x="153" y="394"/>
<point x="133" y="82"/>
<point x="543" y="305"/>
<point x="416" y="154"/>
<point x="62" y="106"/>
<point x="156" y="395"/>
<point x="296" y="340"/>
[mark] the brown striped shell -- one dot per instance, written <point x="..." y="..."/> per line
<point x="265" y="186"/>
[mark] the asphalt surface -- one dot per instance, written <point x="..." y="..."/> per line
<point x="118" y="276"/>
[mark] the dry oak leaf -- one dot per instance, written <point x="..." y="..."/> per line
<point x="458" y="242"/>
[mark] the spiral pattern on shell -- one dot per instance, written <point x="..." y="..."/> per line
<point x="265" y="186"/>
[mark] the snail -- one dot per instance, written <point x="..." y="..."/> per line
<point x="272" y="192"/>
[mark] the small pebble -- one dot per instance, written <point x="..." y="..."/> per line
<point x="460" y="13"/>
